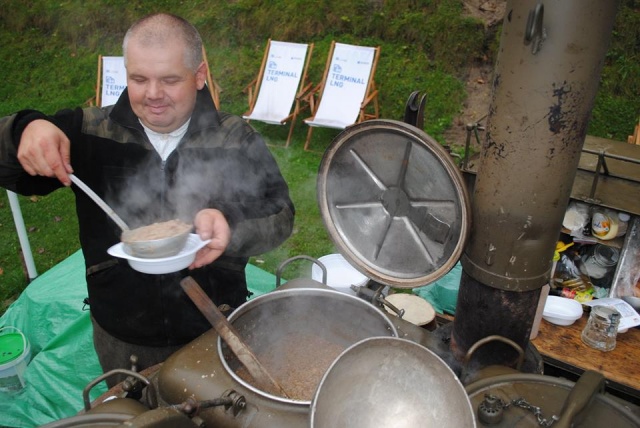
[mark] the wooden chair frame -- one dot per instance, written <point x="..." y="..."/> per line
<point x="97" y="99"/>
<point x="635" y="137"/>
<point x="301" y="100"/>
<point x="369" y="102"/>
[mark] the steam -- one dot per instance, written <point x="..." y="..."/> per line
<point x="232" y="180"/>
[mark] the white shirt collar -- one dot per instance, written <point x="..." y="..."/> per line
<point x="166" y="143"/>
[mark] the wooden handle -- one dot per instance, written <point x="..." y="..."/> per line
<point x="231" y="336"/>
<point x="585" y="389"/>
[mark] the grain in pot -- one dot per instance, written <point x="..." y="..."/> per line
<point x="297" y="362"/>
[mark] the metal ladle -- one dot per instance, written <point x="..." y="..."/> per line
<point x="98" y="200"/>
<point x="155" y="248"/>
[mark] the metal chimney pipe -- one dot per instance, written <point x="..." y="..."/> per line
<point x="545" y="81"/>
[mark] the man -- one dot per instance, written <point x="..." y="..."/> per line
<point x="161" y="152"/>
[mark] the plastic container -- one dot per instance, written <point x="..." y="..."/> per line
<point x="604" y="224"/>
<point x="599" y="263"/>
<point x="602" y="328"/>
<point x="561" y="311"/>
<point x="340" y="274"/>
<point x="623" y="222"/>
<point x="576" y="216"/>
<point x="15" y="353"/>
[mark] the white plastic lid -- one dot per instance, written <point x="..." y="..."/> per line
<point x="624" y="216"/>
<point x="340" y="274"/>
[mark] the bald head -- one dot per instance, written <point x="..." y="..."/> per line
<point x="159" y="30"/>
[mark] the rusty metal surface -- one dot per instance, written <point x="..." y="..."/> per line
<point x="623" y="159"/>
<point x="543" y="93"/>
<point x="482" y="311"/>
<point x="617" y="188"/>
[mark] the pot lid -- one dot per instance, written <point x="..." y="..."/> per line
<point x="389" y="381"/>
<point x="394" y="203"/>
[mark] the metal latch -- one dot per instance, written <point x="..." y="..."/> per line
<point x="534" y="32"/>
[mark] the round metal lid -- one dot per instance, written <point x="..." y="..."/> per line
<point x="390" y="382"/>
<point x="394" y="203"/>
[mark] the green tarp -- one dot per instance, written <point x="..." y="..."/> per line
<point x="50" y="313"/>
<point x="443" y="293"/>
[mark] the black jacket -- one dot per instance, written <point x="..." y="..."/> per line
<point x="220" y="163"/>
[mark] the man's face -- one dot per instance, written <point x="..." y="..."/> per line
<point x="162" y="90"/>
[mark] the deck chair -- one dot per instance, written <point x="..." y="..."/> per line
<point x="281" y="85"/>
<point x="347" y="89"/>
<point x="635" y="138"/>
<point x="112" y="79"/>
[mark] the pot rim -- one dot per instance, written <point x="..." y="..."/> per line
<point x="481" y="385"/>
<point x="282" y="294"/>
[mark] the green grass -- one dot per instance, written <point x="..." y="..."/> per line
<point x="49" y="51"/>
<point x="52" y="229"/>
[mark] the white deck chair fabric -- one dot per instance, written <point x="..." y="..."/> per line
<point x="114" y="79"/>
<point x="280" y="82"/>
<point x="345" y="87"/>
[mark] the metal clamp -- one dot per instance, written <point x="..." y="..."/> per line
<point x="230" y="399"/>
<point x="472" y="127"/>
<point x="535" y="32"/>
<point x="385" y="302"/>
<point x="153" y="401"/>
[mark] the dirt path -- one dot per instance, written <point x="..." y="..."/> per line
<point x="476" y="106"/>
<point x="478" y="81"/>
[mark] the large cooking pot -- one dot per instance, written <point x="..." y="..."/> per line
<point x="530" y="400"/>
<point x="116" y="416"/>
<point x="301" y="330"/>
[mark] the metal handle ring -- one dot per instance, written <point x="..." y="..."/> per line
<point x="153" y="402"/>
<point x="486" y="340"/>
<point x="286" y="262"/>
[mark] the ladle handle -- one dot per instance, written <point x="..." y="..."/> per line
<point x="231" y="336"/>
<point x="98" y="200"/>
<point x="585" y="389"/>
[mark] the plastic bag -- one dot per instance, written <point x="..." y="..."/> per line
<point x="568" y="281"/>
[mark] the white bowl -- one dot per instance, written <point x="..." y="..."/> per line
<point x="340" y="274"/>
<point x="162" y="265"/>
<point x="561" y="310"/>
<point x="155" y="248"/>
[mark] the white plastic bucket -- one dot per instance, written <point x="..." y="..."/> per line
<point x="340" y="274"/>
<point x="15" y="353"/>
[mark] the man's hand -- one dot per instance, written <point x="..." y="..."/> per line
<point x="44" y="150"/>
<point x="211" y="224"/>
